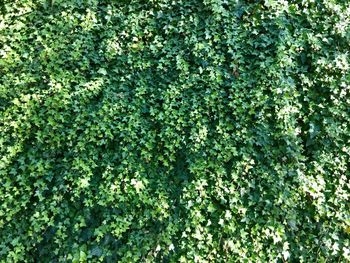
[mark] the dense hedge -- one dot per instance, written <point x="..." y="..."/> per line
<point x="174" y="131"/>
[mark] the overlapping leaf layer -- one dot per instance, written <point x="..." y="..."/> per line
<point x="174" y="131"/>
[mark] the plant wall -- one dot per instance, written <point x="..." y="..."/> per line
<point x="174" y="131"/>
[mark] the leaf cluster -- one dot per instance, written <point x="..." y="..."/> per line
<point x="174" y="131"/>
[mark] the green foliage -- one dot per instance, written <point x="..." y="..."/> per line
<point x="174" y="131"/>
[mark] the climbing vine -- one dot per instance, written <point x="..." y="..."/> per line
<point x="174" y="131"/>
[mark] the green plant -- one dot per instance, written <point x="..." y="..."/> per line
<point x="174" y="131"/>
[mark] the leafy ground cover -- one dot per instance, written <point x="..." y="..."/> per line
<point x="174" y="131"/>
